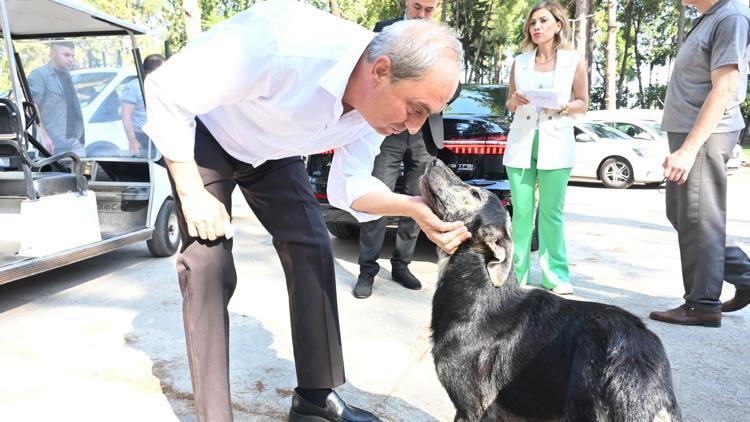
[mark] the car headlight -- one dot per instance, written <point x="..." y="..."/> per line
<point x="639" y="152"/>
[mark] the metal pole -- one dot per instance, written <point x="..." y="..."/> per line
<point x="12" y="61"/>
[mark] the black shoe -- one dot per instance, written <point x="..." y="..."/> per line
<point x="336" y="410"/>
<point x="363" y="289"/>
<point x="402" y="275"/>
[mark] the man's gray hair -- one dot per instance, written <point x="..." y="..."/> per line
<point x="415" y="47"/>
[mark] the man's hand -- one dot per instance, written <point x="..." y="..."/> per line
<point x="448" y="236"/>
<point x="135" y="149"/>
<point x="204" y="214"/>
<point x="47" y="142"/>
<point x="678" y="164"/>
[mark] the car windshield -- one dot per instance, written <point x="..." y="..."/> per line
<point x="604" y="131"/>
<point x="83" y="88"/>
<point x="89" y="84"/>
<point x="655" y="126"/>
<point x="480" y="100"/>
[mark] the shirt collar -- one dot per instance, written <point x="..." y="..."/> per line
<point x="336" y="79"/>
<point x="717" y="5"/>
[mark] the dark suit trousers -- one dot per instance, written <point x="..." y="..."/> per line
<point x="280" y="195"/>
<point x="395" y="150"/>
<point x="697" y="210"/>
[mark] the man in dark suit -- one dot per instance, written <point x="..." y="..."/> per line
<point x="414" y="152"/>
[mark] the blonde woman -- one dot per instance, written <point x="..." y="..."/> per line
<point x="541" y="145"/>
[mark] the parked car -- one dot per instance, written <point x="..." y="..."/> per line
<point x="614" y="158"/>
<point x="646" y="125"/>
<point x="476" y="128"/>
<point x="99" y="91"/>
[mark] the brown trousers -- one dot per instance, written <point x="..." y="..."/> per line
<point x="280" y="195"/>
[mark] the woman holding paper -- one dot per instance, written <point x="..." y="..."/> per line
<point x="547" y="83"/>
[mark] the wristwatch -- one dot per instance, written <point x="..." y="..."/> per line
<point x="564" y="110"/>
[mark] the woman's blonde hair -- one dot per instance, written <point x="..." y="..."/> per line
<point x="560" y="15"/>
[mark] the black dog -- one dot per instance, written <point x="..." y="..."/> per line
<point x="505" y="353"/>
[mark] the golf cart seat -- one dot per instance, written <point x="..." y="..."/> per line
<point x="19" y="180"/>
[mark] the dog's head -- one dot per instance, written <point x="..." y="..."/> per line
<point x="481" y="212"/>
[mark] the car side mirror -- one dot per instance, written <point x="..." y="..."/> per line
<point x="584" y="137"/>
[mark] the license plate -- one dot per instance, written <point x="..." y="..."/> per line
<point x="4" y="162"/>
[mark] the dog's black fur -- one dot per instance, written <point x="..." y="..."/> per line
<point x="504" y="353"/>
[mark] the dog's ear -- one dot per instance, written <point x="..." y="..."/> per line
<point x="499" y="244"/>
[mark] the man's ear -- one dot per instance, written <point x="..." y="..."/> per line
<point x="381" y="69"/>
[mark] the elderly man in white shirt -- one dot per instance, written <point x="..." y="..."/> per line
<point x="238" y="107"/>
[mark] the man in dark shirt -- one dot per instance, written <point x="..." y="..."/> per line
<point x="54" y="94"/>
<point x="414" y="152"/>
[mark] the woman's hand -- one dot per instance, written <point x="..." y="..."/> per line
<point x="518" y="98"/>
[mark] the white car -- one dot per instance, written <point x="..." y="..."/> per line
<point x="646" y="125"/>
<point x="614" y="158"/>
<point x="99" y="91"/>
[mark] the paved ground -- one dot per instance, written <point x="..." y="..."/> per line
<point x="102" y="340"/>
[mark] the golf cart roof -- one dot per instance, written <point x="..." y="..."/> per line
<point x="62" y="18"/>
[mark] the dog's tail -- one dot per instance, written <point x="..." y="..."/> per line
<point x="638" y="380"/>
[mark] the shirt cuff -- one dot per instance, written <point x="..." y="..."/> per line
<point x="342" y="193"/>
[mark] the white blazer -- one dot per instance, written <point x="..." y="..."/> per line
<point x="556" y="140"/>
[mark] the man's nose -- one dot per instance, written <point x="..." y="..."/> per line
<point x="414" y="125"/>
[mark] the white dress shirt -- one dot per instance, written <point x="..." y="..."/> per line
<point x="268" y="84"/>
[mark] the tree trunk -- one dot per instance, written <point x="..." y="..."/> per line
<point x="610" y="71"/>
<point x="628" y="43"/>
<point x="191" y="12"/>
<point x="485" y="30"/>
<point x="680" y="27"/>
<point x="581" y="22"/>
<point x="443" y="10"/>
<point x="638" y="58"/>
<point x="334" y="6"/>
<point x="590" y="29"/>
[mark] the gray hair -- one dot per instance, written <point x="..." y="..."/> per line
<point x="415" y="47"/>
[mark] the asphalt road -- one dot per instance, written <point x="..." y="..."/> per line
<point x="103" y="340"/>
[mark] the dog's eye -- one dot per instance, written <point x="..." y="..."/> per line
<point x="475" y="194"/>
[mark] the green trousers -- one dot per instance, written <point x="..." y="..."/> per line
<point x="552" y="185"/>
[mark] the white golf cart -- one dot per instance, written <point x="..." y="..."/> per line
<point x="58" y="208"/>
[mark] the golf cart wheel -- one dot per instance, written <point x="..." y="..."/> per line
<point x="343" y="231"/>
<point x="616" y="173"/>
<point x="166" y="237"/>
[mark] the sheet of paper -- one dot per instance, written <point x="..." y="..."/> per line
<point x="544" y="98"/>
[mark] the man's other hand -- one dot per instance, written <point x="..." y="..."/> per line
<point x="204" y="215"/>
<point x="677" y="165"/>
<point x="448" y="236"/>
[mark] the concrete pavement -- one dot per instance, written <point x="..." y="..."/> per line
<point x="103" y="340"/>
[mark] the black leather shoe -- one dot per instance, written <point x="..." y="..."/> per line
<point x="740" y="300"/>
<point x="363" y="288"/>
<point x="402" y="275"/>
<point x="336" y="410"/>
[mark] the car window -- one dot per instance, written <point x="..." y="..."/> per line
<point x="605" y="132"/>
<point x="629" y="129"/>
<point x="479" y="100"/>
<point x="90" y="84"/>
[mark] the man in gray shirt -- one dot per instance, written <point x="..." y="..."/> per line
<point x="703" y="120"/>
<point x="134" y="109"/>
<point x="54" y="94"/>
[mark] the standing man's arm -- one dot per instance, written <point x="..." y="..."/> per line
<point x="127" y="124"/>
<point x="729" y="45"/>
<point x="724" y="82"/>
<point x="37" y="88"/>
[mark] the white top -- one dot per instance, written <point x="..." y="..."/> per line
<point x="556" y="140"/>
<point x="268" y="84"/>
